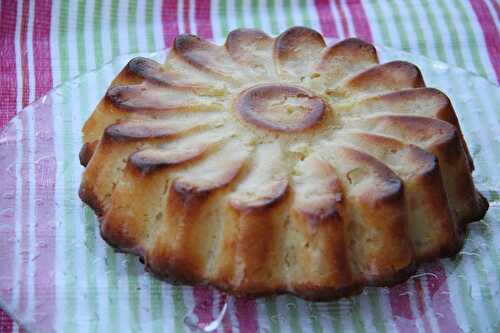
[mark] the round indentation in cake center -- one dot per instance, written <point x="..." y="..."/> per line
<point x="280" y="107"/>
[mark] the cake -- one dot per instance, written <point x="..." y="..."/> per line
<point x="278" y="165"/>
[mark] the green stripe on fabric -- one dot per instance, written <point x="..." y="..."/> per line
<point x="476" y="59"/>
<point x="68" y="180"/>
<point x="271" y="13"/>
<point x="63" y="41"/>
<point x="357" y="317"/>
<point x="272" y="313"/>
<point x="293" y="314"/>
<point x="376" y="309"/>
<point x="288" y="12"/>
<point x="97" y="33"/>
<point x="156" y="303"/>
<point x="314" y="317"/>
<point x="112" y="279"/>
<point x="179" y="309"/>
<point x="133" y="293"/>
<point x="256" y="15"/>
<point x="114" y="29"/>
<point x="133" y="45"/>
<point x="90" y="243"/>
<point x="149" y="26"/>
<point x="80" y="34"/>
<point x="450" y="25"/>
<point x="224" y="28"/>
<point x="305" y="13"/>
<point x="240" y="20"/>
<point x="384" y="29"/>
<point x="335" y="312"/>
<point x="403" y="37"/>
<point x="438" y="45"/>
<point x="422" y="46"/>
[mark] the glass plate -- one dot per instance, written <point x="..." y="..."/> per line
<point x="57" y="274"/>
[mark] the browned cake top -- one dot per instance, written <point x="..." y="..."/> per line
<point x="278" y="165"/>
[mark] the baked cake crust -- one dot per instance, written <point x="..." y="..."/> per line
<point x="278" y="165"/>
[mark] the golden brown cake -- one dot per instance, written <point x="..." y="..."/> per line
<point x="278" y="165"/>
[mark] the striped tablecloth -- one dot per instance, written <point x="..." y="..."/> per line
<point x="45" y="43"/>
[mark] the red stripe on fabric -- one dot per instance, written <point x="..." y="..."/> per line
<point x="490" y="32"/>
<point x="45" y="172"/>
<point x="439" y="295"/>
<point x="343" y="19"/>
<point x="421" y="305"/>
<point x="204" y="302"/>
<point x="41" y="47"/>
<point x="326" y="20"/>
<point x="169" y="21"/>
<point x="24" y="53"/>
<point x="402" y="315"/>
<point x="246" y="314"/>
<point x="185" y="15"/>
<point x="202" y="15"/>
<point x="8" y="82"/>
<point x="6" y="324"/>
<point x="360" y="20"/>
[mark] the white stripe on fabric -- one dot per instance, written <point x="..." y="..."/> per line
<point x="366" y="310"/>
<point x="29" y="48"/>
<point x="88" y="34"/>
<point x="281" y="19"/>
<point x="348" y="18"/>
<point x="19" y="63"/>
<point x="214" y="19"/>
<point x="412" y="296"/>
<point x="247" y="14"/>
<point x="336" y="19"/>
<point x="313" y="14"/>
<point x="231" y="15"/>
<point x="157" y="25"/>
<point x="429" y="40"/>
<point x="408" y="26"/>
<point x="122" y="30"/>
<point x="493" y="12"/>
<point x="265" y="18"/>
<point x="140" y="26"/>
<point x="192" y="18"/>
<point x="429" y="313"/>
<point x="374" y="22"/>
<point x="296" y="12"/>
<point x="394" y="33"/>
<point x="105" y="29"/>
<point x="18" y="213"/>
<point x="180" y="16"/>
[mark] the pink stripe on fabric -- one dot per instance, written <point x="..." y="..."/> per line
<point x="185" y="15"/>
<point x="45" y="172"/>
<point x="490" y="32"/>
<point x="202" y="16"/>
<point x="246" y="314"/>
<point x="421" y="305"/>
<point x="24" y="53"/>
<point x="8" y="82"/>
<point x="326" y="20"/>
<point x="204" y="302"/>
<point x="41" y="47"/>
<point x="360" y="20"/>
<point x="402" y="315"/>
<point x="169" y="22"/>
<point x="496" y="6"/>
<point x="6" y="324"/>
<point x="440" y="299"/>
<point x="343" y="19"/>
<point x="8" y="86"/>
